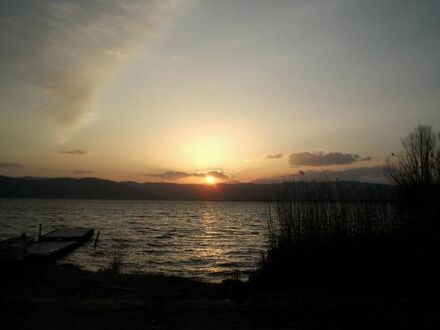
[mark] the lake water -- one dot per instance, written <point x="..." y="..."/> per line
<point x="206" y="240"/>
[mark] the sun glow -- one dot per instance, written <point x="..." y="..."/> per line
<point x="210" y="179"/>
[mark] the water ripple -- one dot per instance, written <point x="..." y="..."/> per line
<point x="208" y="240"/>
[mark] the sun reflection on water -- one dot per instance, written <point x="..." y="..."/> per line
<point x="209" y="248"/>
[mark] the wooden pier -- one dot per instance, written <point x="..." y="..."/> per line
<point x="50" y="246"/>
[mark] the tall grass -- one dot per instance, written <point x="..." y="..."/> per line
<point x="324" y="233"/>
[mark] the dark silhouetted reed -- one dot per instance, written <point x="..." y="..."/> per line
<point x="327" y="234"/>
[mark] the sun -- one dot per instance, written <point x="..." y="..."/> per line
<point x="210" y="179"/>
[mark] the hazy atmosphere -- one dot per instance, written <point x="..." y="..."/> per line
<point x="219" y="164"/>
<point x="179" y="91"/>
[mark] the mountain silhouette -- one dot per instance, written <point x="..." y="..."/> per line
<point x="94" y="188"/>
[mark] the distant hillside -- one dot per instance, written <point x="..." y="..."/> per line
<point x="87" y="188"/>
<point x="93" y="188"/>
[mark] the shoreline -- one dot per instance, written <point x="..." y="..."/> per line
<point x="65" y="296"/>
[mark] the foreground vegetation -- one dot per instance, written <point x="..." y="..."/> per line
<point x="318" y="239"/>
<point x="66" y="297"/>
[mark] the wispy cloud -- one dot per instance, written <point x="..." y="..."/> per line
<point x="10" y="165"/>
<point x="67" y="51"/>
<point x="274" y="156"/>
<point x="324" y="159"/>
<point x="78" y="152"/>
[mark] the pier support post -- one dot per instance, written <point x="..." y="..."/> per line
<point x="96" y="239"/>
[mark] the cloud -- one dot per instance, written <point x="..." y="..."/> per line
<point x="323" y="159"/>
<point x="176" y="175"/>
<point x="170" y="175"/>
<point x="64" y="53"/>
<point x="82" y="172"/>
<point x="373" y="174"/>
<point x="274" y="156"/>
<point x="10" y="165"/>
<point x="218" y="175"/>
<point x="78" y="152"/>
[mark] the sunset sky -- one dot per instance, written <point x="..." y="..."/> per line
<point x="246" y="90"/>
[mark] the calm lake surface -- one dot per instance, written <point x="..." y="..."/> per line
<point x="207" y="240"/>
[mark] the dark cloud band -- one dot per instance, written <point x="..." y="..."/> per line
<point x="175" y="175"/>
<point x="10" y="165"/>
<point x="374" y="174"/>
<point x="78" y="152"/>
<point x="82" y="172"/>
<point x="323" y="159"/>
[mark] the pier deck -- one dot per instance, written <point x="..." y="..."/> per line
<point x="68" y="234"/>
<point x="51" y="249"/>
<point x="50" y="246"/>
